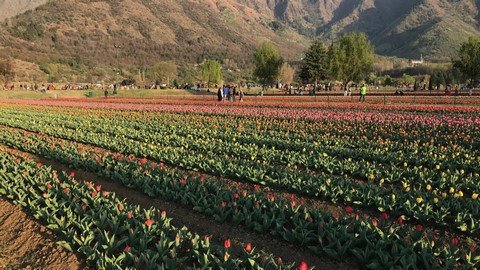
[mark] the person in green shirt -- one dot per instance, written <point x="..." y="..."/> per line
<point x="363" y="93"/>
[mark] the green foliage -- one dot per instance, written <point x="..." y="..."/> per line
<point x="315" y="62"/>
<point x="469" y="59"/>
<point x="28" y="31"/>
<point x="187" y="74"/>
<point x="267" y="63"/>
<point x="164" y="71"/>
<point x="351" y="58"/>
<point x="211" y="72"/>
<point x="387" y="81"/>
<point x="407" y="79"/>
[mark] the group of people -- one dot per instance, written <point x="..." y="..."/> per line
<point x="26" y="87"/>
<point x="229" y="93"/>
<point x="363" y="92"/>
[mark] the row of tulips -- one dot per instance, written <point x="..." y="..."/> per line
<point x="438" y="198"/>
<point x="111" y="233"/>
<point x="376" y="243"/>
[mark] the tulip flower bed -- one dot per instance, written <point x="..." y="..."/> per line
<point x="111" y="233"/>
<point x="412" y="168"/>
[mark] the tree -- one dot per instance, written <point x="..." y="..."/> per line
<point x="351" y="58"/>
<point x="315" y="62"/>
<point x="469" y="62"/>
<point x="187" y="74"/>
<point x="387" y="81"/>
<point x="267" y="63"/>
<point x="164" y="72"/>
<point x="211" y="72"/>
<point x="6" y="69"/>
<point x="286" y="74"/>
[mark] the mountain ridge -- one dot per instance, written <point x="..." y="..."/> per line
<point x="85" y="32"/>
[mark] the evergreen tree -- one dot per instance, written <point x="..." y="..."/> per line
<point x="315" y="62"/>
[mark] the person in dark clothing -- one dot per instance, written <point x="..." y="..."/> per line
<point x="220" y="94"/>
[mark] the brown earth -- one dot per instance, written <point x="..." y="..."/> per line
<point x="26" y="244"/>
<point x="203" y="225"/>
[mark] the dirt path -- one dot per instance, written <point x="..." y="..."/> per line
<point x="25" y="244"/>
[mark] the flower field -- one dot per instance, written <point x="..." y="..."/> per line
<point x="385" y="186"/>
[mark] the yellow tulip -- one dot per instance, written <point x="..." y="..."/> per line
<point x="429" y="187"/>
<point x="452" y="190"/>
<point x="444" y="194"/>
<point x="437" y="167"/>
<point x="372" y="176"/>
<point x="419" y="200"/>
<point x="460" y="193"/>
<point x="474" y="196"/>
<point x="382" y="181"/>
<point x="435" y="200"/>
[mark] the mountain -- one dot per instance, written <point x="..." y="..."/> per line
<point x="11" y="8"/>
<point x="147" y="31"/>
<point x="82" y="33"/>
<point x="402" y="28"/>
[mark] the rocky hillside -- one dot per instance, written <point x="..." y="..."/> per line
<point x="10" y="8"/>
<point x="404" y="28"/>
<point x="147" y="31"/>
<point x="85" y="31"/>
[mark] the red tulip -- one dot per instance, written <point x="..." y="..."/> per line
<point x="127" y="248"/>
<point x="400" y="220"/>
<point x="148" y="222"/>
<point x="303" y="266"/>
<point x="143" y="160"/>
<point x="235" y="195"/>
<point x="472" y="248"/>
<point x="49" y="186"/>
<point x="72" y="174"/>
<point x="227" y="243"/>
<point x="39" y="164"/>
<point x="419" y="227"/>
<point x="248" y="247"/>
<point x="163" y="213"/>
<point x="455" y="241"/>
<point x="44" y="195"/>
<point x="375" y="222"/>
<point x="256" y="188"/>
<point x="384" y="215"/>
<point x="223" y="204"/>
<point x="94" y="193"/>
<point x="65" y="191"/>
<point x="98" y="187"/>
<point x="129" y="215"/>
<point x="348" y="209"/>
<point x="120" y="207"/>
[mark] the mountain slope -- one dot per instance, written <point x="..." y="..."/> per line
<point x="85" y="31"/>
<point x="404" y="28"/>
<point x="148" y="31"/>
<point x="11" y="8"/>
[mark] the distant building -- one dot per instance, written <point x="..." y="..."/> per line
<point x="417" y="62"/>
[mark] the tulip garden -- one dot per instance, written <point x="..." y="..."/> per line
<point x="400" y="182"/>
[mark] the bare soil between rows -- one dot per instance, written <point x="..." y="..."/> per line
<point x="182" y="216"/>
<point x="27" y="244"/>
